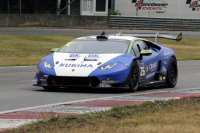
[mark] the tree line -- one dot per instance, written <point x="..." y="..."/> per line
<point x="32" y="6"/>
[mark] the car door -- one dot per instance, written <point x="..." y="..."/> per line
<point x="148" y="64"/>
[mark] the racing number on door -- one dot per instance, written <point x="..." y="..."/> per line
<point x="142" y="70"/>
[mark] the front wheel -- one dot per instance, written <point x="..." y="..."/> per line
<point x="172" y="73"/>
<point x="133" y="77"/>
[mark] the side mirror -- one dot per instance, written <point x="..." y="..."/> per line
<point x="145" y="52"/>
<point x="55" y="50"/>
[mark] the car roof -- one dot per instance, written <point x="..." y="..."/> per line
<point x="110" y="37"/>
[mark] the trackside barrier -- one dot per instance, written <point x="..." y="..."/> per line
<point x="154" y="23"/>
<point x="51" y="20"/>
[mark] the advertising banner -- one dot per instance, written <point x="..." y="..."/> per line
<point x="159" y="8"/>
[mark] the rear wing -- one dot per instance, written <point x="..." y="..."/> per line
<point x="156" y="36"/>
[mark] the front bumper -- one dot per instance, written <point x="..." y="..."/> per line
<point x="104" y="79"/>
<point x="93" y="82"/>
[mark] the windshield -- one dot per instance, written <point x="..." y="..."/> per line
<point x="97" y="47"/>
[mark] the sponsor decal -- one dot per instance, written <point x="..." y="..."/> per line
<point x="104" y="85"/>
<point x="153" y="66"/>
<point x="164" y="70"/>
<point x="74" y="56"/>
<point x="42" y="79"/>
<point x="76" y="65"/>
<point x="142" y="71"/>
<point x="147" y="68"/>
<point x="150" y="75"/>
<point x="152" y="6"/>
<point x="194" y="4"/>
<point x="93" y="56"/>
<point x="108" y="81"/>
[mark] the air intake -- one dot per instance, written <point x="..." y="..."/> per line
<point x="102" y="38"/>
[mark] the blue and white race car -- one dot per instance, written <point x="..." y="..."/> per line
<point x="119" y="60"/>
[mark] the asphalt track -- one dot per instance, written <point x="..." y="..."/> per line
<point x="16" y="90"/>
<point x="84" y="32"/>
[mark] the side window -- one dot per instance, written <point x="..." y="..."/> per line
<point x="138" y="46"/>
<point x="152" y="46"/>
<point x="143" y="45"/>
<point x="135" y="49"/>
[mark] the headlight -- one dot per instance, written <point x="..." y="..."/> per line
<point x="107" y="67"/>
<point x="47" y="65"/>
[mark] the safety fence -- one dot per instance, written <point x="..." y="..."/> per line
<point x="146" y="23"/>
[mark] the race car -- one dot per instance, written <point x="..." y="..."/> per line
<point x="109" y="61"/>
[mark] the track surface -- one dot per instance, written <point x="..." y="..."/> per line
<point x="16" y="90"/>
<point x="83" y="32"/>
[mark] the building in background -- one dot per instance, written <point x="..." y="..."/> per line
<point x="68" y="7"/>
<point x="94" y="7"/>
<point x="159" y="8"/>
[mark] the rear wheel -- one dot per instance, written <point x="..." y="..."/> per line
<point x="133" y="77"/>
<point x="172" y="73"/>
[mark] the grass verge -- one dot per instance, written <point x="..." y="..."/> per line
<point x="187" y="49"/>
<point x="174" y="116"/>
<point x="28" y="49"/>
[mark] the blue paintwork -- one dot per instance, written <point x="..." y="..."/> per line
<point x="43" y="70"/>
<point x="120" y="72"/>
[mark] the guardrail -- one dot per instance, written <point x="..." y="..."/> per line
<point x="154" y="23"/>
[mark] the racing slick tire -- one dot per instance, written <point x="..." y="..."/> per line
<point x="133" y="77"/>
<point x="172" y="73"/>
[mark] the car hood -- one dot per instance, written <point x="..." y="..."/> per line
<point x="72" y="64"/>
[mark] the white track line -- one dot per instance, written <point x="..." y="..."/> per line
<point x="86" y="100"/>
<point x="71" y="102"/>
<point x="179" y="90"/>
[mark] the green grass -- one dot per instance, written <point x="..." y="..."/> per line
<point x="28" y="49"/>
<point x="175" y="116"/>
<point x="187" y="49"/>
